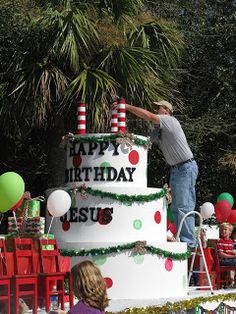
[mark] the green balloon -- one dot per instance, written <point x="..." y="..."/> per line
<point x="12" y="187"/>
<point x="227" y="197"/>
<point x="170" y="216"/>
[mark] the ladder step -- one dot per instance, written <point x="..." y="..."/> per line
<point x="199" y="287"/>
<point x="197" y="271"/>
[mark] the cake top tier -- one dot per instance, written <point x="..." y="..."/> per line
<point x="117" y="159"/>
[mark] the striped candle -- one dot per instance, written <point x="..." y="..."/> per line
<point x="114" y="121"/>
<point x="81" y="118"/>
<point x="121" y="114"/>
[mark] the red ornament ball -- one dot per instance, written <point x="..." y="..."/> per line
<point x="104" y="217"/>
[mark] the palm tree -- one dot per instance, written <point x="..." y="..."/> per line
<point x="90" y="50"/>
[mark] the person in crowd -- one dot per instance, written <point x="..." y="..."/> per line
<point x="90" y="288"/>
<point x="172" y="141"/>
<point x="226" y="253"/>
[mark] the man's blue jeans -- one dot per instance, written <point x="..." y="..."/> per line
<point x="182" y="183"/>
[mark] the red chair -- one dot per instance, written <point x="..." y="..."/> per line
<point x="5" y="280"/>
<point x="50" y="273"/>
<point x="222" y="272"/>
<point x="69" y="293"/>
<point x="25" y="278"/>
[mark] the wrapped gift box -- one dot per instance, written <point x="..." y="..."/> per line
<point x="48" y="246"/>
<point x="14" y="225"/>
<point x="29" y="208"/>
<point x="30" y="226"/>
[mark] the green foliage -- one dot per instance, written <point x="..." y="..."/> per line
<point x="55" y="53"/>
<point x="207" y="87"/>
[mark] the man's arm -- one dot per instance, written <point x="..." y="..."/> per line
<point x="143" y="113"/>
<point x="140" y="112"/>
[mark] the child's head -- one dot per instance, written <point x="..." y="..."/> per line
<point x="89" y="285"/>
<point x="225" y="230"/>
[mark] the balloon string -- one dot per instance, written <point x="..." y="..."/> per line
<point x="1" y="215"/>
<point x="50" y="226"/>
<point x="17" y="229"/>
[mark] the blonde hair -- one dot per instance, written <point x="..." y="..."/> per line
<point x="226" y="225"/>
<point x="89" y="285"/>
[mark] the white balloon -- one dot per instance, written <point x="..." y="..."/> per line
<point x="207" y="210"/>
<point x="58" y="203"/>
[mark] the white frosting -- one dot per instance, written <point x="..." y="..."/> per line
<point x="105" y="222"/>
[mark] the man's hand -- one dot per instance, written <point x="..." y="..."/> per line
<point x="114" y="105"/>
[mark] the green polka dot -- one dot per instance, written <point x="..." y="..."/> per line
<point x="137" y="224"/>
<point x="105" y="164"/>
<point x="184" y="281"/>
<point x="99" y="260"/>
<point x="138" y="258"/>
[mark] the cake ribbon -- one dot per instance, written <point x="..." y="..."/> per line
<point x="79" y="189"/>
<point x="168" y="193"/>
<point x="65" y="139"/>
<point x="140" y="248"/>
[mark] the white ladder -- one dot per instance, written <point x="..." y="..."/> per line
<point x="194" y="253"/>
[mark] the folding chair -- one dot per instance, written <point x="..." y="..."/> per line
<point x="5" y="279"/>
<point x="25" y="278"/>
<point x="222" y="272"/>
<point x="50" y="273"/>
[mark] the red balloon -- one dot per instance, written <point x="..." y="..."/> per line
<point x="17" y="204"/>
<point x="232" y="217"/>
<point x="222" y="210"/>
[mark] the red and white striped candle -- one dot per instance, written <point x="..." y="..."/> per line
<point x="81" y="118"/>
<point x="114" y="121"/>
<point x="121" y="114"/>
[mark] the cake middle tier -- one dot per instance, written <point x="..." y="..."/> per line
<point x="108" y="214"/>
<point x="100" y="159"/>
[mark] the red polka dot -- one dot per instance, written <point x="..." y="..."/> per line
<point x="157" y="217"/>
<point x="168" y="264"/>
<point x="104" y="217"/>
<point x="109" y="282"/>
<point x="133" y="157"/>
<point x="77" y="161"/>
<point x="66" y="225"/>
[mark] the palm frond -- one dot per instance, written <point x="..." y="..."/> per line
<point x="119" y="8"/>
<point x="75" y="35"/>
<point x="159" y="37"/>
<point x="42" y="84"/>
<point x="90" y="84"/>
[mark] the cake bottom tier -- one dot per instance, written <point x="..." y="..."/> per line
<point x="136" y="274"/>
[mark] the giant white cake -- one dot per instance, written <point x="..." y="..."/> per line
<point x="117" y="221"/>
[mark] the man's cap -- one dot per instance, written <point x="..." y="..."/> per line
<point x="165" y="104"/>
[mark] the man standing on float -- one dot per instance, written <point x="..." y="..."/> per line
<point x="171" y="140"/>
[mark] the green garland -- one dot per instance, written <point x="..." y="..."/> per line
<point x="122" y="198"/>
<point x="180" y="306"/>
<point x="126" y="247"/>
<point x="110" y="137"/>
<point x="127" y="199"/>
